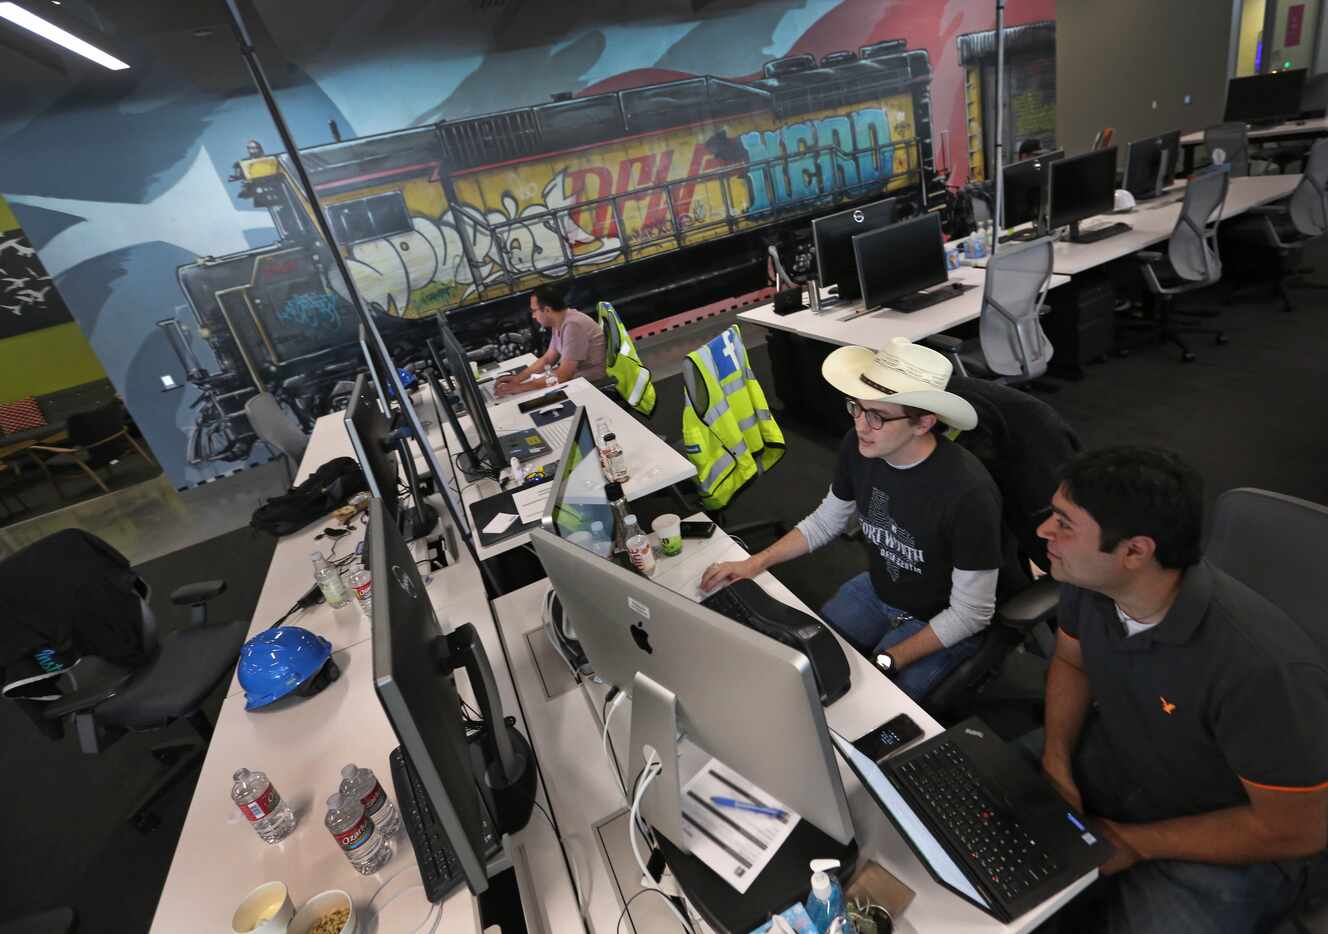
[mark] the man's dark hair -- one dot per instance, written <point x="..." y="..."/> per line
<point x="1140" y="491"/>
<point x="1030" y="147"/>
<point x="552" y="295"/>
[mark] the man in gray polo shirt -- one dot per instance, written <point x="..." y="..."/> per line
<point x="577" y="347"/>
<point x="1185" y="712"/>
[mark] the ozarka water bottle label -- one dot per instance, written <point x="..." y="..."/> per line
<point x="373" y="801"/>
<point x="263" y="805"/>
<point x="356" y="836"/>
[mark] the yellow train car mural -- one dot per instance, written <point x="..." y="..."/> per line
<point x="467" y="212"/>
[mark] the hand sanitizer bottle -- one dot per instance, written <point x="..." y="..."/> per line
<point x="825" y="905"/>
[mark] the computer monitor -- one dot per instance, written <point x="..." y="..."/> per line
<point x="898" y="261"/>
<point x="377" y="448"/>
<point x="466" y="779"/>
<point x="577" y="500"/>
<point x="1146" y="167"/>
<point x="1270" y="98"/>
<point x="1025" y="191"/>
<point x="439" y="366"/>
<point x="1171" y="147"/>
<point x="833" y="239"/>
<point x="1082" y="186"/>
<point x="443" y="412"/>
<point x="749" y="700"/>
<point x="377" y="370"/>
<point x="488" y="459"/>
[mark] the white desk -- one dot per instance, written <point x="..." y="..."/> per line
<point x="1282" y="133"/>
<point x="566" y="733"/>
<point x="878" y="327"/>
<point x="653" y="464"/>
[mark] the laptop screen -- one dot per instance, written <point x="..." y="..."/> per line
<point x="577" y="509"/>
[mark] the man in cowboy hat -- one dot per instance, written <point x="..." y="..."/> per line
<point x="930" y="514"/>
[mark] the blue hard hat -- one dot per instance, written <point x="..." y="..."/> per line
<point x="287" y="659"/>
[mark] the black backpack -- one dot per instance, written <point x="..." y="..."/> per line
<point x="329" y="487"/>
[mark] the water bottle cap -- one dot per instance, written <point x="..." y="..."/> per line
<point x="316" y="555"/>
<point x="631" y="519"/>
<point x="597" y="526"/>
<point x="334" y="801"/>
<point x="350" y="771"/>
<point x="241" y="775"/>
<point x="610" y="436"/>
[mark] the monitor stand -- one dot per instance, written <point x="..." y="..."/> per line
<point x="421" y="518"/>
<point x="920" y="300"/>
<point x="1100" y="233"/>
<point x="784" y="879"/>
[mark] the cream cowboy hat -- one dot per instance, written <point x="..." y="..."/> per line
<point x="901" y="373"/>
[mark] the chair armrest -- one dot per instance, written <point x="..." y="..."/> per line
<point x="109" y="680"/>
<point x="1149" y="256"/>
<point x="1035" y="603"/>
<point x="1270" y="210"/>
<point x="53" y="450"/>
<point x="198" y="593"/>
<point x="943" y="342"/>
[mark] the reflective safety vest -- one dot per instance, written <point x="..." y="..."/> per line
<point x="623" y="364"/>
<point x="736" y="439"/>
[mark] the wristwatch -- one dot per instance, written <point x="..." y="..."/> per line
<point x="886" y="662"/>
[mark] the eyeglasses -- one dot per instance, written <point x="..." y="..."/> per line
<point x="875" y="420"/>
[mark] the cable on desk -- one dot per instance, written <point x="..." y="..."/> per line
<point x="611" y="703"/>
<point x="618" y="927"/>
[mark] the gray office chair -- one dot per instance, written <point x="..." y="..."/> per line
<point x="1274" y="544"/>
<point x="276" y="430"/>
<point x="1287" y="227"/>
<point x="55" y="921"/>
<point x="1191" y="262"/>
<point x="1229" y="144"/>
<point x="1011" y="347"/>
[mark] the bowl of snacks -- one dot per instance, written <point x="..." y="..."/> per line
<point x="330" y="912"/>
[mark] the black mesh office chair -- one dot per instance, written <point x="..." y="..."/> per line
<point x="97" y="438"/>
<point x="55" y="921"/>
<point x="127" y="677"/>
<point x="1024" y="443"/>
<point x="1274" y="545"/>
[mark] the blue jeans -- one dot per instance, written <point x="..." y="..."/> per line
<point x="871" y="626"/>
<point x="1164" y="896"/>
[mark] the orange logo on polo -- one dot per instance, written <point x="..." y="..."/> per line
<point x="1167" y="707"/>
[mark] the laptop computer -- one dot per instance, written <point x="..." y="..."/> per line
<point x="983" y="820"/>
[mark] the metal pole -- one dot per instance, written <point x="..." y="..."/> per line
<point x="292" y="153"/>
<point x="999" y="208"/>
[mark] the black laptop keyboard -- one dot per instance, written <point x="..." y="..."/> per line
<point x="995" y="844"/>
<point x="440" y="870"/>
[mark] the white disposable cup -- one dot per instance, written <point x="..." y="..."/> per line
<point x="321" y="904"/>
<point x="668" y="529"/>
<point x="259" y="903"/>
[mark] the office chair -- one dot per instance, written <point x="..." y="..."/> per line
<point x="1287" y="227"/>
<point x="1229" y="144"/>
<point x="54" y="921"/>
<point x="1273" y="544"/>
<point x="97" y="438"/>
<point x="1011" y="346"/>
<point x="1191" y="262"/>
<point x="104" y="699"/>
<point x="1023" y="442"/>
<point x="278" y="432"/>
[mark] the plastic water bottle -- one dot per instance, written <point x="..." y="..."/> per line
<point x="361" y="841"/>
<point x="258" y="800"/>
<point x="364" y="787"/>
<point x="329" y="582"/>
<point x="602" y="544"/>
<point x="615" y="464"/>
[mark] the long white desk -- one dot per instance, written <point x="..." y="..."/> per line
<point x="302" y="745"/>
<point x="842" y="324"/>
<point x="566" y="732"/>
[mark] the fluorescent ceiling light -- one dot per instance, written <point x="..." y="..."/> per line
<point x="53" y="33"/>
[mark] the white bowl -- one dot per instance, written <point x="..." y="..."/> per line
<point x="271" y="899"/>
<point x="321" y="904"/>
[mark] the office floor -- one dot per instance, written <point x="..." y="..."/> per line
<point x="1245" y="414"/>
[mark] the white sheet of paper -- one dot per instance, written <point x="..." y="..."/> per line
<point x="530" y="501"/>
<point x="499" y="523"/>
<point x="735" y="844"/>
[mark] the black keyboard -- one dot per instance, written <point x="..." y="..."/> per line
<point x="944" y="784"/>
<point x="440" y="871"/>
<point x="1094" y="234"/>
<point x="745" y="602"/>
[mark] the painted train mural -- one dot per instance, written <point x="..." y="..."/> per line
<point x="659" y="198"/>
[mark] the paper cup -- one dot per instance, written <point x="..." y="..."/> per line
<point x="668" y="529"/>
<point x="266" y="910"/>
<point x="324" y="903"/>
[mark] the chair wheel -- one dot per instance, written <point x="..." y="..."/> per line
<point x="1221" y="339"/>
<point x="1187" y="357"/>
<point x="145" y="822"/>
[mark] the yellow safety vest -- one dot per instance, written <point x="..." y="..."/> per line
<point x="621" y="361"/>
<point x="736" y="439"/>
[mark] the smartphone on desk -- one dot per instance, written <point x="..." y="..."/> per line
<point x="887" y="739"/>
<point x="697" y="529"/>
<point x="549" y="398"/>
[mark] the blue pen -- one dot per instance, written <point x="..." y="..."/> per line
<point x="745" y="806"/>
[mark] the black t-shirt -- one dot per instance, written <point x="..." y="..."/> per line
<point x="1225" y="688"/>
<point x="922" y="522"/>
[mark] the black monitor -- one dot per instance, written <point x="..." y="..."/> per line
<point x="1171" y="147"/>
<point x="1146" y="167"/>
<point x="1270" y="98"/>
<point x="833" y="238"/>
<point x="476" y="786"/>
<point x="1025" y="191"/>
<point x="1082" y="186"/>
<point x="439" y="366"/>
<point x="897" y="261"/>
<point x="488" y="456"/>
<point x="377" y="448"/>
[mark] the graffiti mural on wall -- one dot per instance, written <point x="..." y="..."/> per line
<point x="28" y="299"/>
